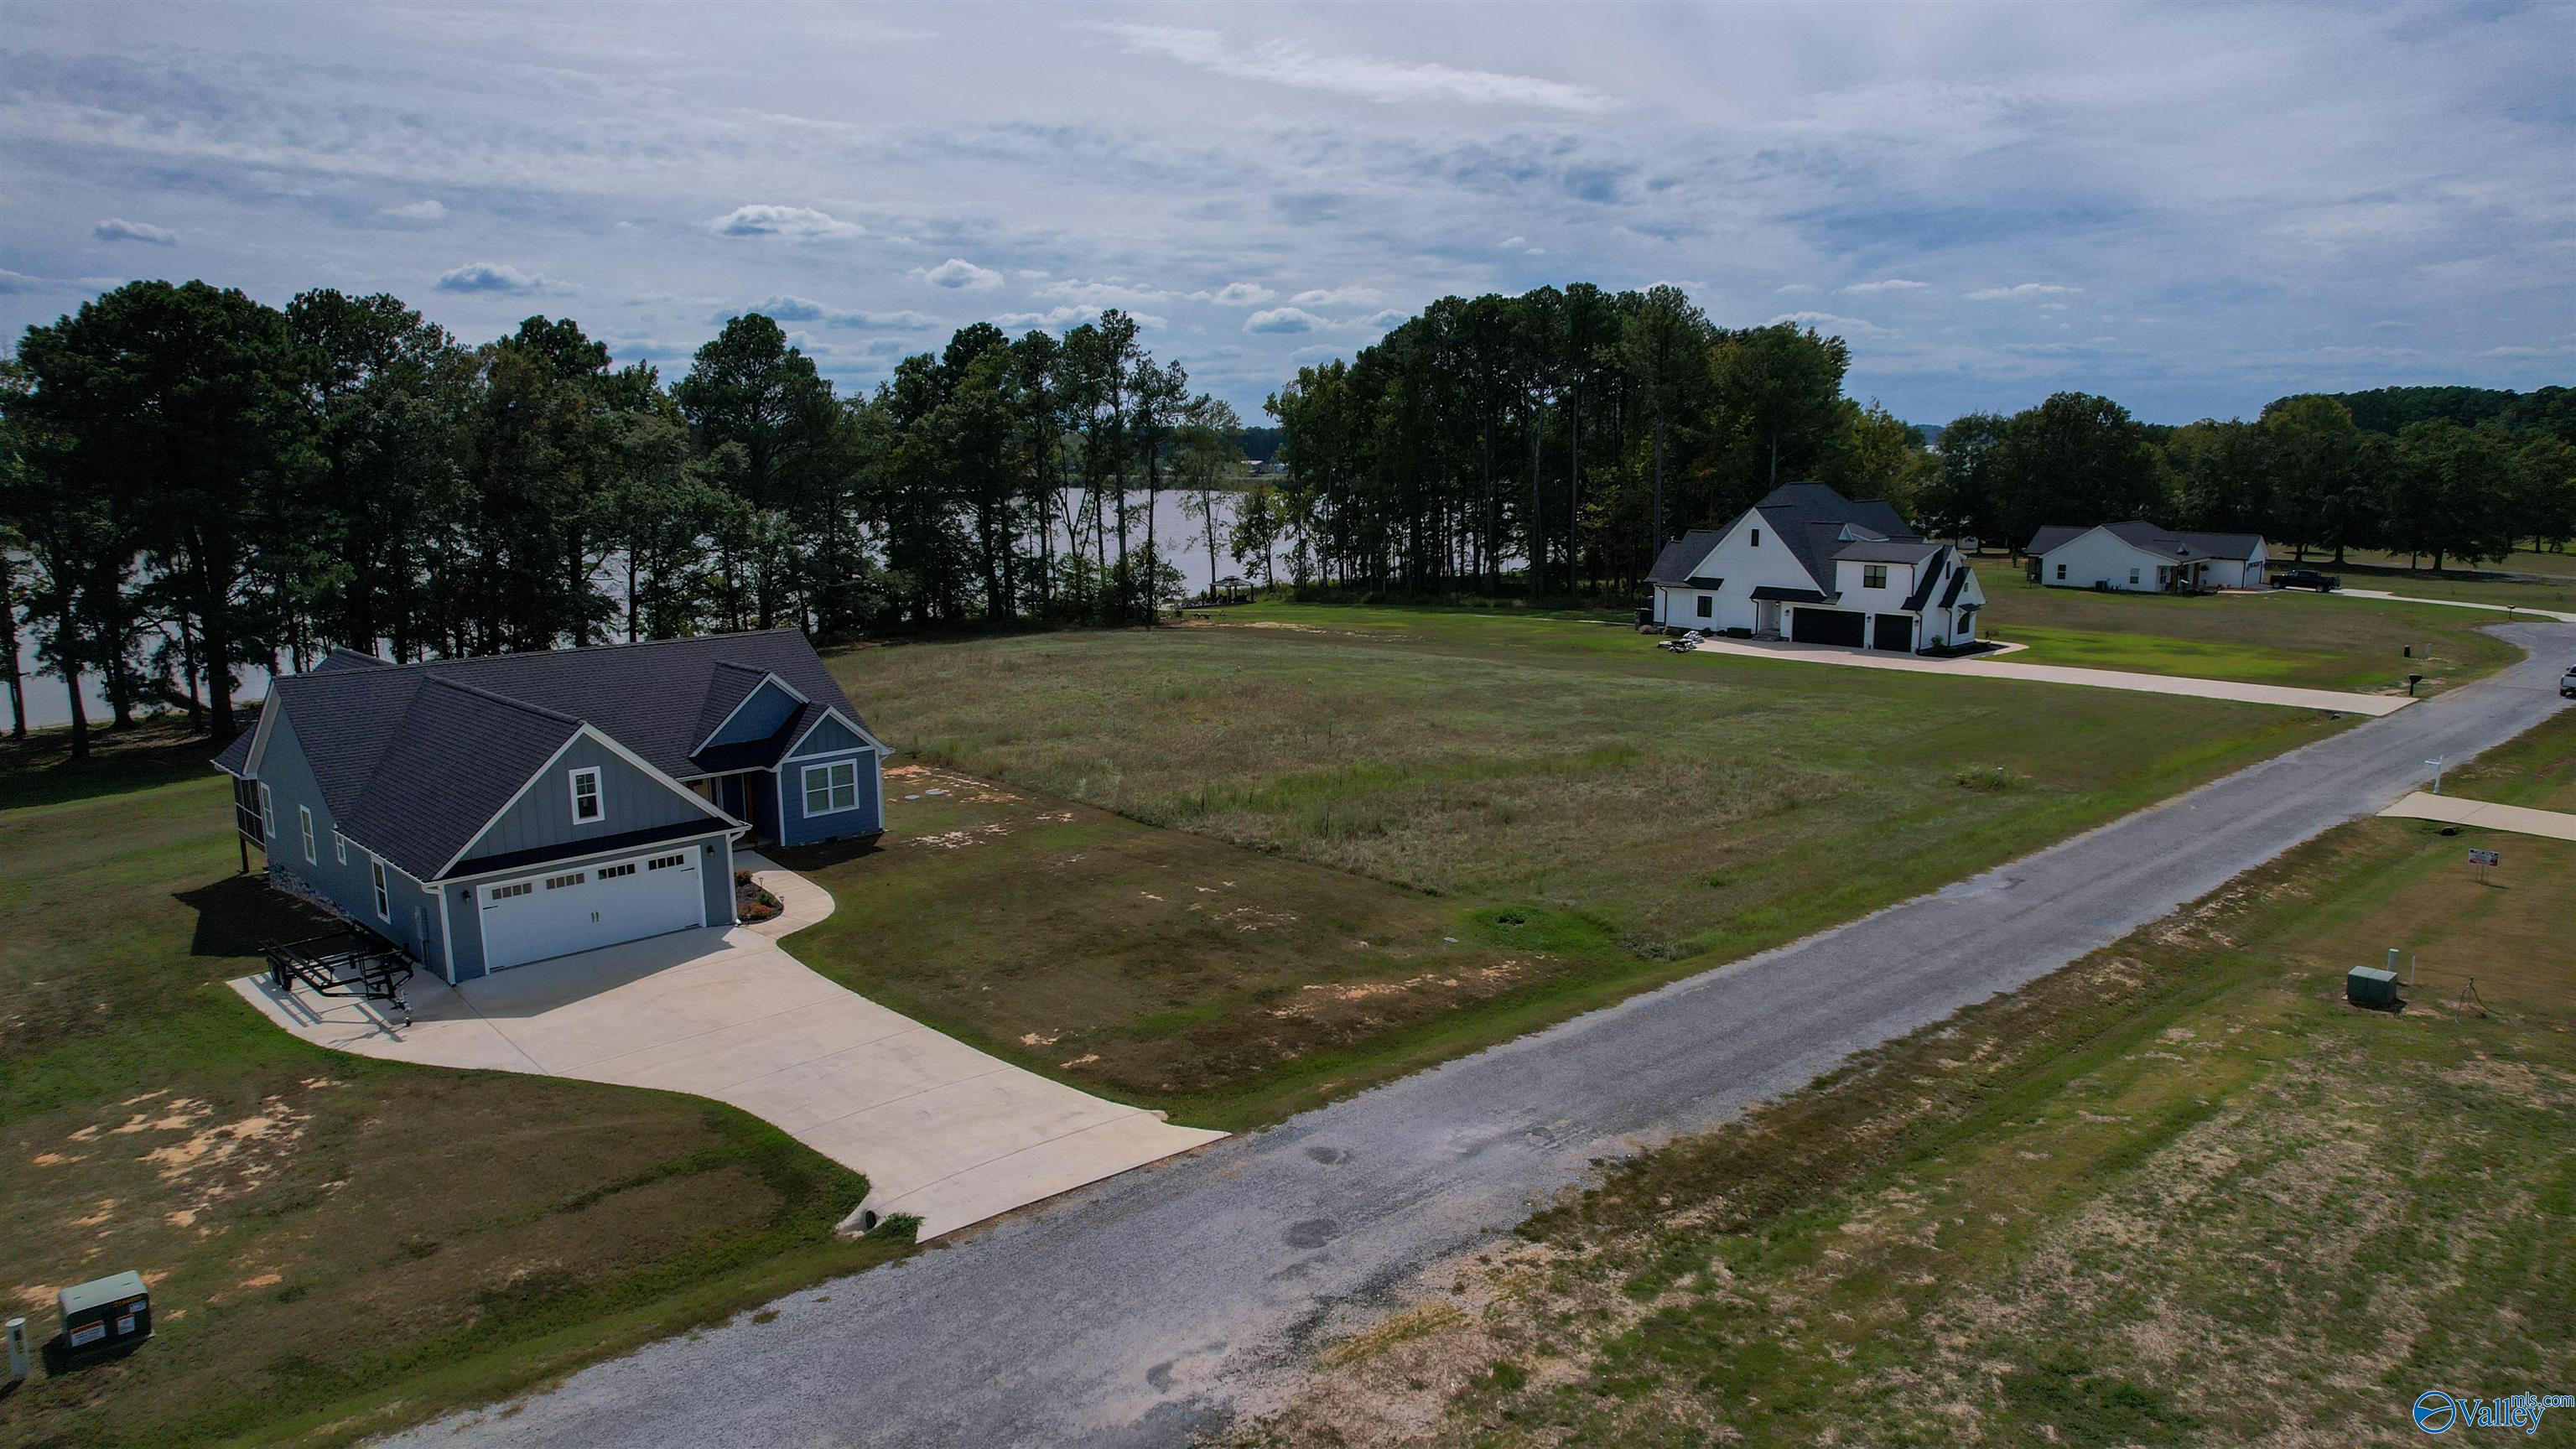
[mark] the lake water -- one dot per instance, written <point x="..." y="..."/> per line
<point x="1180" y="536"/>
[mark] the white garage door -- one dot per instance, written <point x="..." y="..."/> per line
<point x="584" y="907"/>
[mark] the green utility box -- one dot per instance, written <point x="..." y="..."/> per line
<point x="106" y="1315"/>
<point x="2370" y="986"/>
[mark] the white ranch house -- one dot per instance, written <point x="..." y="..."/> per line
<point x="2138" y="557"/>
<point x="1808" y="564"/>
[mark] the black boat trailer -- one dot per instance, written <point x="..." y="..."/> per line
<point x="355" y="963"/>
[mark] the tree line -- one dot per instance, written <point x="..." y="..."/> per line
<point x="192" y="481"/>
<point x="1564" y="434"/>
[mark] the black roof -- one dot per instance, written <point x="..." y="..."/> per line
<point x="1811" y="519"/>
<point x="2183" y="544"/>
<point x="1674" y="564"/>
<point x="414" y="759"/>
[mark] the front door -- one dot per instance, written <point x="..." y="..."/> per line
<point x="1766" y="616"/>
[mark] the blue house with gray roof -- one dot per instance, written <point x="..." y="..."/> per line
<point x="486" y="813"/>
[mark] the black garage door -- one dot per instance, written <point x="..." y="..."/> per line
<point x="1894" y="631"/>
<point x="1826" y="626"/>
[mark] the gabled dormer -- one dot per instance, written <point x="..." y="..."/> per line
<point x="745" y="705"/>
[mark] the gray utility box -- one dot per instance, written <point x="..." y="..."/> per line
<point x="105" y="1315"/>
<point x="2370" y="986"/>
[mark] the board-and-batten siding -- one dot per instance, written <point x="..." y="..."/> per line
<point x="829" y="741"/>
<point x="348" y="888"/>
<point x="542" y="818"/>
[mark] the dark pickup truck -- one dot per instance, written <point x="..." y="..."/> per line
<point x="2306" y="579"/>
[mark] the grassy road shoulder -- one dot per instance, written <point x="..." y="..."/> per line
<point x="2178" y="1193"/>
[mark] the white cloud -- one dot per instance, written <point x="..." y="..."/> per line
<point x="1795" y="288"/>
<point x="1282" y="319"/>
<point x="12" y="283"/>
<point x="1338" y="297"/>
<point x="797" y="223"/>
<point x="1367" y="77"/>
<point x="2024" y="289"/>
<point x="957" y="273"/>
<point x="429" y="210"/>
<point x="1890" y="284"/>
<point x="1510" y="242"/>
<point x="495" y="277"/>
<point x="118" y="229"/>
<point x="1236" y="294"/>
<point x="1826" y="322"/>
<point x="1069" y="314"/>
<point x="1106" y="292"/>
<point x="786" y="308"/>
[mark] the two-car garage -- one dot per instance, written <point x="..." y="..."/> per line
<point x="564" y="909"/>
<point x="1852" y="629"/>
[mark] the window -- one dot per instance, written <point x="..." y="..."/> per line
<point x="612" y="872"/>
<point x="339" y="845"/>
<point x="833" y="787"/>
<point x="512" y="891"/>
<point x="560" y="882"/>
<point x="384" y="896"/>
<point x="2061" y="571"/>
<point x="1757" y="539"/>
<point x="267" y="814"/>
<point x="665" y="862"/>
<point x="1704" y="602"/>
<point x="1873" y="576"/>
<point x="586" y="806"/>
<point x="304" y="818"/>
<point x="2133" y="578"/>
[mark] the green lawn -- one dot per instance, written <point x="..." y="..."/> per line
<point x="335" y="1245"/>
<point x="1443" y="827"/>
<point x="2177" y="1194"/>
<point x="2285" y="637"/>
<point x="2530" y="580"/>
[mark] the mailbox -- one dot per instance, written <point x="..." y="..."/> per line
<point x="105" y="1316"/>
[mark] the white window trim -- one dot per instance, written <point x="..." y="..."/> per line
<point x="598" y="796"/>
<point x="267" y="814"/>
<point x="382" y="883"/>
<point x="339" y="845"/>
<point x="304" y="820"/>
<point x="805" y="788"/>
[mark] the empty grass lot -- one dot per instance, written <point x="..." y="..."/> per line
<point x="1443" y="828"/>
<point x="2177" y="1194"/>
<point x="335" y="1245"/>
<point x="2283" y="637"/>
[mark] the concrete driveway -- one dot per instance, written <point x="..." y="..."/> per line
<point x="943" y="1131"/>
<point x="2452" y="810"/>
<point x="1988" y="667"/>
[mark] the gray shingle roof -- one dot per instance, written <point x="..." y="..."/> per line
<point x="1886" y="550"/>
<point x="2184" y="544"/>
<point x="1679" y="557"/>
<point x="1810" y="519"/>
<point x="409" y="756"/>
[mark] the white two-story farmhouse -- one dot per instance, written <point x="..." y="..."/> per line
<point x="1808" y="564"/>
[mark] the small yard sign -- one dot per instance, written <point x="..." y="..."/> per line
<point x="2486" y="857"/>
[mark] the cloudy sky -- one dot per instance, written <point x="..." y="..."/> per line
<point x="2191" y="209"/>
